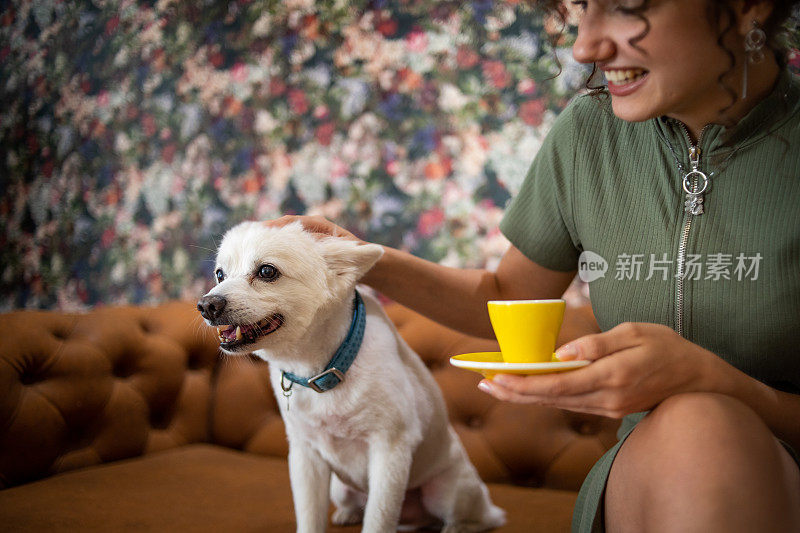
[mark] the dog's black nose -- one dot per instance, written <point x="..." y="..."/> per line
<point x="211" y="306"/>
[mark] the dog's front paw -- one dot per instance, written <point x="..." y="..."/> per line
<point x="347" y="516"/>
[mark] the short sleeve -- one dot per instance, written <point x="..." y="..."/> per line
<point x="539" y="221"/>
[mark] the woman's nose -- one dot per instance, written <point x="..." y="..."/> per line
<point x="593" y="43"/>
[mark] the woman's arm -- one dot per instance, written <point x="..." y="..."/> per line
<point x="457" y="297"/>
<point x="451" y="296"/>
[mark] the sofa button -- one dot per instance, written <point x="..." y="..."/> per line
<point x="123" y="368"/>
<point x="29" y="376"/>
<point x="60" y="334"/>
<point x="194" y="361"/>
<point x="474" y="422"/>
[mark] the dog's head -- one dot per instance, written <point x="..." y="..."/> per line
<point x="272" y="282"/>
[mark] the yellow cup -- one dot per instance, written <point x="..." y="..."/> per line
<point x="527" y="329"/>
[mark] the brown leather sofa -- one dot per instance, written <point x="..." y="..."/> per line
<point x="127" y="419"/>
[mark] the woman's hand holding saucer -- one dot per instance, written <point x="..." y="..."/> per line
<point x="634" y="367"/>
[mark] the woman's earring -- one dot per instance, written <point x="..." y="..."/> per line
<point x="754" y="41"/>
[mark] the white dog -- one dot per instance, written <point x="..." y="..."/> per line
<point x="378" y="421"/>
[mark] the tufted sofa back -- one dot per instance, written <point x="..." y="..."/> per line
<point x="115" y="383"/>
<point x="83" y="389"/>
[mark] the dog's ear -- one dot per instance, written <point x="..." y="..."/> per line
<point x="347" y="261"/>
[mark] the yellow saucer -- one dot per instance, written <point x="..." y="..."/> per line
<point x="491" y="363"/>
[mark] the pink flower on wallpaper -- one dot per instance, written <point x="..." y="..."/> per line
<point x="526" y="86"/>
<point x="148" y="124"/>
<point x="339" y="168"/>
<point x="298" y="101"/>
<point x="321" y="112"/>
<point x="532" y="112"/>
<point x="416" y="41"/>
<point x="466" y="58"/>
<point x="168" y="153"/>
<point x="108" y="237"/>
<point x="239" y="72"/>
<point x="496" y="74"/>
<point x="324" y="133"/>
<point x="430" y="222"/>
<point x="276" y="87"/>
<point x="112" y="25"/>
<point x="794" y="59"/>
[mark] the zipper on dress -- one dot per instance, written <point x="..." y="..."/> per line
<point x="694" y="158"/>
<point x="687" y="225"/>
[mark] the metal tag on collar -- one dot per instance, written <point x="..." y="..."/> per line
<point x="312" y="381"/>
<point x="287" y="390"/>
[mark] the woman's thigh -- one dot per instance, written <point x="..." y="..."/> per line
<point x="702" y="462"/>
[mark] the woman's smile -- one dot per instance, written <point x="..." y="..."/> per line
<point x="624" y="81"/>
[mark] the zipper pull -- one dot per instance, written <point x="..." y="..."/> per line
<point x="694" y="190"/>
<point x="694" y="157"/>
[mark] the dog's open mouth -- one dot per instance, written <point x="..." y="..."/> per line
<point x="232" y="336"/>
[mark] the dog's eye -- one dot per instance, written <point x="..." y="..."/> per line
<point x="220" y="275"/>
<point x="268" y="272"/>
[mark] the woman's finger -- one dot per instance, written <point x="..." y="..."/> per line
<point x="589" y="403"/>
<point x="575" y="382"/>
<point x="282" y="221"/>
<point x="598" y="345"/>
<point x="318" y="225"/>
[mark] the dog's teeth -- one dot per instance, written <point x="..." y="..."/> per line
<point x="238" y="333"/>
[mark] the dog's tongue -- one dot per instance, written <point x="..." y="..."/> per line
<point x="228" y="333"/>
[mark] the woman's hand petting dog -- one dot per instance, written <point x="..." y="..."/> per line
<point x="635" y="366"/>
<point x="318" y="225"/>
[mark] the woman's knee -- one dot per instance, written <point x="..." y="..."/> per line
<point x="704" y="419"/>
<point x="697" y="432"/>
<point x="691" y="451"/>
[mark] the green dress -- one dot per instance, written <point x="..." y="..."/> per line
<point x="606" y="196"/>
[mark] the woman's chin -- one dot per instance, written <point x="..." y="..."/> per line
<point x="631" y="113"/>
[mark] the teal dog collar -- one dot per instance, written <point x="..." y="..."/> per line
<point x="342" y="359"/>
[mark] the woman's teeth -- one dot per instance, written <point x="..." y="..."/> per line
<point x="623" y="77"/>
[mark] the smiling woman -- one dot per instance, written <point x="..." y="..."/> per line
<point x="690" y="159"/>
<point x="695" y="84"/>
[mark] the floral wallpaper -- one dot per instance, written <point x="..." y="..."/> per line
<point x="134" y="133"/>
